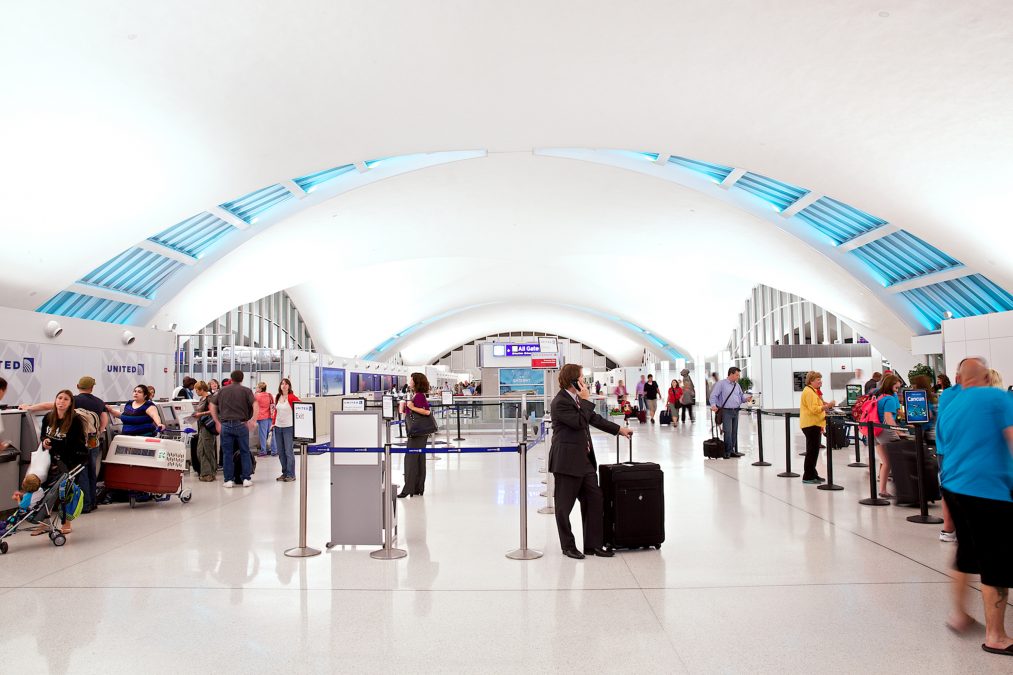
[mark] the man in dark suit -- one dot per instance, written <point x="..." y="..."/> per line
<point x="573" y="465"/>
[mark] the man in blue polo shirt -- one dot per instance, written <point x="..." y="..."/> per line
<point x="974" y="433"/>
<point x="727" y="396"/>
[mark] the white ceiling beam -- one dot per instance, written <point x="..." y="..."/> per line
<point x="929" y="279"/>
<point x="662" y="158"/>
<point x="732" y="178"/>
<point x="868" y="237"/>
<point x="234" y="221"/>
<point x="294" y="188"/>
<point x="801" y="203"/>
<point x="107" y="294"/>
<point x="361" y="167"/>
<point x="167" y="252"/>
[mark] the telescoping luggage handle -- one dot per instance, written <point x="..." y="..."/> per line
<point x="630" y="439"/>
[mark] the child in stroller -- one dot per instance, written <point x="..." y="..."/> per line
<point x="24" y="497"/>
<point x="61" y="500"/>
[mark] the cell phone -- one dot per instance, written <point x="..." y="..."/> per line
<point x="576" y="384"/>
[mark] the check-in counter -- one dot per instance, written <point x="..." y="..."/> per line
<point x="21" y="431"/>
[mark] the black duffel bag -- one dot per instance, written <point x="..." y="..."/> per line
<point x="420" y="425"/>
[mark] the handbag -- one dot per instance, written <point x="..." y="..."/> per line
<point x="717" y="416"/>
<point x="420" y="425"/>
<point x="208" y="422"/>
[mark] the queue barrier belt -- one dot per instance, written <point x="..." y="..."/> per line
<point x="322" y="449"/>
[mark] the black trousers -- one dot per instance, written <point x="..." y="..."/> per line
<point x="687" y="409"/>
<point x="812" y="451"/>
<point x="415" y="467"/>
<point x="592" y="508"/>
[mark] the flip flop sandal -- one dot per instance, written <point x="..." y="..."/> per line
<point x="36" y="533"/>
<point x="1008" y="651"/>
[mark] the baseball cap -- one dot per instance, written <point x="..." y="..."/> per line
<point x="86" y="382"/>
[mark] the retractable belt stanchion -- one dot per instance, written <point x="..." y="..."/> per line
<point x="388" y="552"/>
<point x="873" y="499"/>
<point x="830" y="485"/>
<point x="858" y="463"/>
<point x="924" y="518"/>
<point x="524" y="553"/>
<point x="759" y="438"/>
<point x="457" y="410"/>
<point x="787" y="473"/>
<point x="302" y="550"/>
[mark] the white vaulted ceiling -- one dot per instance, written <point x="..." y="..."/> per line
<point x="121" y="120"/>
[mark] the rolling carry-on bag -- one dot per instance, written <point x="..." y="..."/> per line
<point x="713" y="447"/>
<point x="642" y="416"/>
<point x="634" y="495"/>
<point x="903" y="456"/>
<point x="666" y="417"/>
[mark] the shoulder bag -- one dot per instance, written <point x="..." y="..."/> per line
<point x="420" y="425"/>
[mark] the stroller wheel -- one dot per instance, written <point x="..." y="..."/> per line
<point x="59" y="540"/>
<point x="3" y="547"/>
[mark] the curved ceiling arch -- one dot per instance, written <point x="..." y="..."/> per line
<point x="927" y="282"/>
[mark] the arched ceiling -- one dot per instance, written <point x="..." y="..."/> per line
<point x="122" y="120"/>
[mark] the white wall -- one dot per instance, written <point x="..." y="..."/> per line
<point x="990" y="336"/>
<point x="37" y="366"/>
<point x="773" y="376"/>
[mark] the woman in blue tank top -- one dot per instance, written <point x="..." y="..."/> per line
<point x="140" y="416"/>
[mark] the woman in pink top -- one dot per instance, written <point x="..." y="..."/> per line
<point x="620" y="393"/>
<point x="264" y="401"/>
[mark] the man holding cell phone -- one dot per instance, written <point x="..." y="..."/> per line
<point x="573" y="464"/>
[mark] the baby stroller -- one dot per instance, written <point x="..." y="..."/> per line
<point x="62" y="500"/>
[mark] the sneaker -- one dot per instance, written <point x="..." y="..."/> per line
<point x="811" y="481"/>
<point x="821" y="479"/>
<point x="229" y="484"/>
<point x="280" y="478"/>
<point x="886" y="495"/>
<point x="289" y="479"/>
<point x="248" y="482"/>
<point x="947" y="536"/>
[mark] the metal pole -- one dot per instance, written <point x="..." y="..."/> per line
<point x="787" y="473"/>
<point x="388" y="552"/>
<point x="858" y="463"/>
<point x="457" y="409"/>
<point x="830" y="467"/>
<point x="302" y="550"/>
<point x="524" y="553"/>
<point x="924" y="518"/>
<point x="759" y="438"/>
<point x="873" y="499"/>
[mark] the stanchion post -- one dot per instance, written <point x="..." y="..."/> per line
<point x="457" y="410"/>
<point x="524" y="553"/>
<point x="923" y="503"/>
<point x="388" y="552"/>
<point x="873" y="499"/>
<point x="858" y="463"/>
<point x="302" y="550"/>
<point x="830" y="485"/>
<point x="759" y="438"/>
<point x="787" y="473"/>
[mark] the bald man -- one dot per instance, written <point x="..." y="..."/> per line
<point x="974" y="433"/>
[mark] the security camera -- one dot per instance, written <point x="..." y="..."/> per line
<point x="127" y="337"/>
<point x="53" y="329"/>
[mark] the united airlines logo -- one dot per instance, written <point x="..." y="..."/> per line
<point x="131" y="369"/>
<point x="24" y="365"/>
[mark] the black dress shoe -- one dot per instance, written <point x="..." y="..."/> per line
<point x="600" y="552"/>
<point x="402" y="495"/>
<point x="573" y="553"/>
<point x="738" y="454"/>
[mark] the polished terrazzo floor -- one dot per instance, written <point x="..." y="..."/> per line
<point x="758" y="574"/>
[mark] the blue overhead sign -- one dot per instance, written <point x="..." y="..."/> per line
<point x="523" y="350"/>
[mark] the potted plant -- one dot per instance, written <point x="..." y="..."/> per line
<point x="921" y="369"/>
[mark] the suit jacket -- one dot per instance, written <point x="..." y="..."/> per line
<point x="571" y="435"/>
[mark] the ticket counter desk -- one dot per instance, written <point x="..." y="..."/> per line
<point x="357" y="481"/>
<point x="21" y="431"/>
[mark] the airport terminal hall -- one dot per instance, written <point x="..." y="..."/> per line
<point x="539" y="336"/>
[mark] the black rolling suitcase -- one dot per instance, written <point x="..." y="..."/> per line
<point x="634" y="495"/>
<point x="837" y="433"/>
<point x="713" y="447"/>
<point x="903" y="456"/>
<point x="666" y="417"/>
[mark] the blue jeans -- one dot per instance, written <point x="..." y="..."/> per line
<point x="263" y="426"/>
<point x="236" y="438"/>
<point x="90" y="478"/>
<point x="730" y="422"/>
<point x="283" y="440"/>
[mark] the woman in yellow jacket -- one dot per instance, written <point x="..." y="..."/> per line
<point x="812" y="419"/>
